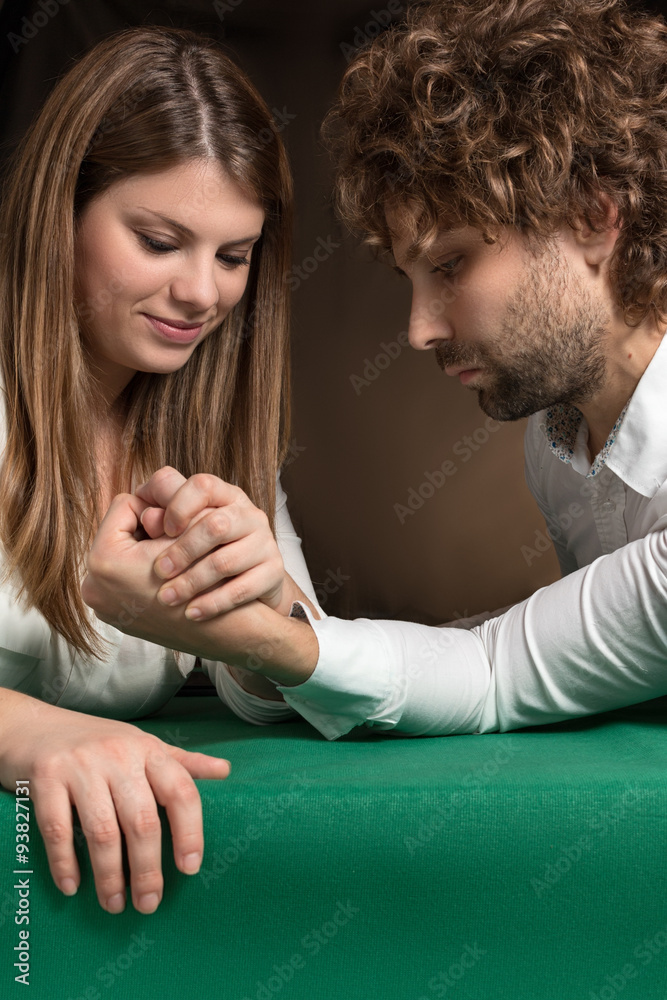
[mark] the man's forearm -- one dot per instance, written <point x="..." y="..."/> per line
<point x="283" y="649"/>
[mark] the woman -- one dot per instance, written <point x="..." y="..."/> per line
<point x="145" y="328"/>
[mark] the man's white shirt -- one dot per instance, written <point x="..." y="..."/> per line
<point x="593" y="641"/>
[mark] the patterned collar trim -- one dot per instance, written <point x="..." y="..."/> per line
<point x="561" y="426"/>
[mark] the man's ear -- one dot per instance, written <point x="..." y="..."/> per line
<point x="597" y="244"/>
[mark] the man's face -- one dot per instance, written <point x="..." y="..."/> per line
<point x="522" y="327"/>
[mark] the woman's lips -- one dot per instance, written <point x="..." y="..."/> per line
<point x="184" y="334"/>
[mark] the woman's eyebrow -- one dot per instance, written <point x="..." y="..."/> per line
<point x="188" y="232"/>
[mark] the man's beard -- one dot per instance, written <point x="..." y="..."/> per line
<point x="552" y="344"/>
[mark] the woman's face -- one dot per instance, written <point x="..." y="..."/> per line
<point x="160" y="259"/>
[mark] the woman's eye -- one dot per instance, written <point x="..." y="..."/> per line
<point x="233" y="261"/>
<point x="155" y="246"/>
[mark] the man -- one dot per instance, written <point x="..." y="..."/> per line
<point x="511" y="159"/>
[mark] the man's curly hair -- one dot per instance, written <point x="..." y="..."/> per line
<point x="523" y="113"/>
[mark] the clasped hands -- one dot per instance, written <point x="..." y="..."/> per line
<point x="209" y="559"/>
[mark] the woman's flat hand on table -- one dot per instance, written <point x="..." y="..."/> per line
<point x="115" y="775"/>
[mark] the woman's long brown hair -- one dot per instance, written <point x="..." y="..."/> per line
<point x="142" y="100"/>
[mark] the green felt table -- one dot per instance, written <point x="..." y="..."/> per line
<point x="521" y="865"/>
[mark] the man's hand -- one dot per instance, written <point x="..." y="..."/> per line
<point x="224" y="554"/>
<point x="120" y="572"/>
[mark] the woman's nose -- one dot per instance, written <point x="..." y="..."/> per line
<point x="195" y="284"/>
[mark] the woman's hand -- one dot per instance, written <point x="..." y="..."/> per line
<point x="115" y="775"/>
<point x="121" y="576"/>
<point x="222" y="536"/>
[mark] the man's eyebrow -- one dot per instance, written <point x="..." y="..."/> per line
<point x="444" y="244"/>
<point x="188" y="232"/>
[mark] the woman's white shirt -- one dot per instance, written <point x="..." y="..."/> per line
<point x="135" y="677"/>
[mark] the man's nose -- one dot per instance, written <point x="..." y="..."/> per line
<point x="428" y="325"/>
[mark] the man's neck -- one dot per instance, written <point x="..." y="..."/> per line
<point x="625" y="369"/>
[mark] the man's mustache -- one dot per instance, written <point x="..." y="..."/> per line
<point x="457" y="355"/>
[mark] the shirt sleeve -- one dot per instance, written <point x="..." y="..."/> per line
<point x="251" y="707"/>
<point x="593" y="641"/>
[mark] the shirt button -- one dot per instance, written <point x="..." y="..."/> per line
<point x="608" y="507"/>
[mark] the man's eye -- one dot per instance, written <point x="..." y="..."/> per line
<point x="449" y="266"/>
<point x="155" y="246"/>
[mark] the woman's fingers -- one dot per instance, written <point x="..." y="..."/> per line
<point x="174" y="788"/>
<point x="99" y="823"/>
<point x="152" y="521"/>
<point x="123" y="803"/>
<point x="183" y="499"/>
<point x="53" y="812"/>
<point x="176" y="791"/>
<point x="161" y="487"/>
<point x="200" y="765"/>
<point x="139" y="820"/>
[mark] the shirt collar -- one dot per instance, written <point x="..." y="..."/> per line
<point x="636" y="449"/>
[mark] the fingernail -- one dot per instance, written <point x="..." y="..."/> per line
<point x="139" y="487"/>
<point x="149" y="902"/>
<point x="193" y="614"/>
<point x="116" y="904"/>
<point x="165" y="566"/>
<point x="168" y="596"/>
<point x="68" y="886"/>
<point x="191" y="863"/>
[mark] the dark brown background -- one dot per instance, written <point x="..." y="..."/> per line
<point x="356" y="451"/>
